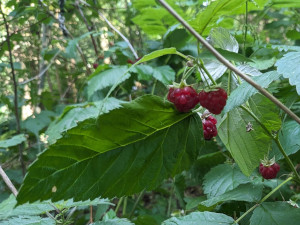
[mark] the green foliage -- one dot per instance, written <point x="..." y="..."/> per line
<point x="275" y="213"/>
<point x="206" y="218"/>
<point x="241" y="94"/>
<point x="289" y="67"/>
<point x="15" y="140"/>
<point x="76" y="113"/>
<point x="120" y="162"/>
<point x="247" y="148"/>
<point x="223" y="178"/>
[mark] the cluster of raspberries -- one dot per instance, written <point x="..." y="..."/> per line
<point x="186" y="98"/>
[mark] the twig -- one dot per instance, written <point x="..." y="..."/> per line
<point x="42" y="72"/>
<point x="225" y="62"/>
<point x="8" y="182"/>
<point x="15" y="89"/>
<point x="67" y="32"/>
<point x="88" y="27"/>
<point x="115" y="29"/>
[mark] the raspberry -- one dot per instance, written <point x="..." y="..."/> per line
<point x="214" y="101"/>
<point x="95" y="65"/>
<point x="209" y="127"/>
<point x="269" y="171"/>
<point x="184" y="99"/>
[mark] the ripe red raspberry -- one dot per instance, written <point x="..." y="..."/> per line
<point x="184" y="99"/>
<point x="269" y="171"/>
<point x="209" y="127"/>
<point x="214" y="101"/>
<point x="95" y="65"/>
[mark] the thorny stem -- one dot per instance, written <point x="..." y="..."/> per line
<point x="15" y="89"/>
<point x="262" y="200"/>
<point x="276" y="139"/>
<point x="229" y="65"/>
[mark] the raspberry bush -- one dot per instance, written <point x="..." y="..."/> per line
<point x="115" y="112"/>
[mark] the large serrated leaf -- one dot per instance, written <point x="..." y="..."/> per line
<point x="223" y="178"/>
<point x="240" y="95"/>
<point x="203" y="218"/>
<point x="121" y="153"/>
<point x="289" y="67"/>
<point x="115" y="221"/>
<point x="76" y="113"/>
<point x="247" y="148"/>
<point x="275" y="213"/>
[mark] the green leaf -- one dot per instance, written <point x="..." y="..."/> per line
<point x="286" y="3"/>
<point x="244" y="192"/>
<point x="38" y="122"/>
<point x="210" y="16"/>
<point x="119" y="153"/>
<point x="15" y="140"/>
<point x="222" y="39"/>
<point x="230" y="56"/>
<point x="203" y="218"/>
<point x="288" y="139"/>
<point x="164" y="74"/>
<point x="156" y="54"/>
<point x="74" y="114"/>
<point x="241" y="94"/>
<point x="293" y="34"/>
<point x="247" y="148"/>
<point x="115" y="221"/>
<point x="275" y="213"/>
<point x="107" y="78"/>
<point x="289" y="67"/>
<point x="221" y="179"/>
<point x="8" y="207"/>
<point x="28" y="220"/>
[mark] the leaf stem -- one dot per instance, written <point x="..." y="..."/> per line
<point x="276" y="139"/>
<point x="201" y="65"/>
<point x="229" y="65"/>
<point x="262" y="200"/>
<point x="153" y="87"/>
<point x="124" y="206"/>
<point x="119" y="204"/>
<point x="136" y="203"/>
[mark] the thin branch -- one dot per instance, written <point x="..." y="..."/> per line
<point x="225" y="62"/>
<point x="8" y="182"/>
<point x="88" y="27"/>
<point x="15" y="88"/>
<point x="115" y="29"/>
<point x="67" y="32"/>
<point x="42" y="72"/>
